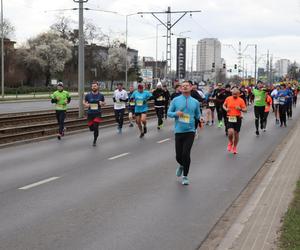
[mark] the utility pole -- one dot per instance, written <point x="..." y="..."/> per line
<point x="255" y="64"/>
<point x="2" y="52"/>
<point x="169" y="25"/>
<point x="268" y="66"/>
<point x="81" y="58"/>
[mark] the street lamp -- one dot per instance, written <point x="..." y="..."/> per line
<point x="126" y="70"/>
<point x="2" y="51"/>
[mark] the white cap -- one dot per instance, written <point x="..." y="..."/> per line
<point x="158" y="84"/>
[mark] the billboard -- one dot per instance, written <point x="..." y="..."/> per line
<point x="181" y="58"/>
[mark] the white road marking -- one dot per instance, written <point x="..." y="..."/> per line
<point x="39" y="183"/>
<point x="118" y="156"/>
<point x="165" y="140"/>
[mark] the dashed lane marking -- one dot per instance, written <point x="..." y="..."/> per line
<point x="39" y="183"/>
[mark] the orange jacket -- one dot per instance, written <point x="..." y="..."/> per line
<point x="268" y="103"/>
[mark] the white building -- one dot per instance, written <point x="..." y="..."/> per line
<point x="208" y="54"/>
<point x="281" y="67"/>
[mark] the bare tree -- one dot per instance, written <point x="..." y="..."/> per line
<point x="8" y="29"/>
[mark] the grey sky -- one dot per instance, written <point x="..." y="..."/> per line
<point x="273" y="25"/>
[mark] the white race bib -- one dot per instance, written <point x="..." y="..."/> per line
<point x="139" y="103"/>
<point x="185" y="118"/>
<point x="232" y="119"/>
<point x="94" y="106"/>
<point x="211" y="104"/>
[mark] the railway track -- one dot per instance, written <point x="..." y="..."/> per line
<point x="29" y="126"/>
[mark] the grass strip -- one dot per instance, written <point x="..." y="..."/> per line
<point x="290" y="232"/>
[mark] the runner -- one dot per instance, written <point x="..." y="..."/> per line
<point x="219" y="95"/>
<point x="210" y="108"/>
<point x="177" y="92"/>
<point x="259" y="106"/>
<point x="131" y="106"/>
<point x="289" y="104"/>
<point x="274" y="94"/>
<point x="141" y="97"/>
<point x="185" y="110"/>
<point x="159" y="96"/>
<point x="283" y="95"/>
<point x="94" y="101"/>
<point x="61" y="98"/>
<point x="267" y="110"/>
<point x="167" y="100"/>
<point x="120" y="98"/>
<point x="234" y="105"/>
<point x="200" y="97"/>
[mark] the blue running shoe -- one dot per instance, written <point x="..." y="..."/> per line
<point x="179" y="171"/>
<point x="185" y="180"/>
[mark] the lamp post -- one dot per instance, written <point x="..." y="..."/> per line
<point x="126" y="63"/>
<point x="2" y="52"/>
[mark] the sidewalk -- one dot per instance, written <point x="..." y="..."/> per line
<point x="258" y="225"/>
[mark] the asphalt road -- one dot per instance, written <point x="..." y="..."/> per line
<point x="36" y="105"/>
<point x="123" y="194"/>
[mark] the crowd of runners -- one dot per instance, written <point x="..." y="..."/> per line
<point x="191" y="107"/>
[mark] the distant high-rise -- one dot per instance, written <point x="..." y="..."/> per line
<point x="281" y="67"/>
<point x="208" y="56"/>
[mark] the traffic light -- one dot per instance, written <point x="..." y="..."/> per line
<point x="213" y="65"/>
<point x="235" y="66"/>
<point x="224" y="66"/>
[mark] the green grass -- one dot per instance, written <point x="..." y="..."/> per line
<point x="290" y="232"/>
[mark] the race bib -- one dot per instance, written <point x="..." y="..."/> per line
<point x="94" y="106"/>
<point x="185" y="118"/>
<point x="59" y="106"/>
<point x="232" y="119"/>
<point x="281" y="99"/>
<point x="211" y="104"/>
<point x="257" y="98"/>
<point x="139" y="103"/>
<point x="161" y="98"/>
<point x="131" y="103"/>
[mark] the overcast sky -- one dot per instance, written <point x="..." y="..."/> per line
<point x="271" y="24"/>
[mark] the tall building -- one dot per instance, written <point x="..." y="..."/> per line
<point x="208" y="60"/>
<point x="281" y="67"/>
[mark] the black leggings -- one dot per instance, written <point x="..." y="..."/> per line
<point x="289" y="110"/>
<point x="266" y="119"/>
<point x="160" y="115"/>
<point x="183" y="146"/>
<point x="119" y="114"/>
<point x="282" y="114"/>
<point x="220" y="112"/>
<point x="61" y="116"/>
<point x="259" y="112"/>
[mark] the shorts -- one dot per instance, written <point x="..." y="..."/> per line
<point x="139" y="114"/>
<point x="93" y="118"/>
<point x="235" y="125"/>
<point x="131" y="110"/>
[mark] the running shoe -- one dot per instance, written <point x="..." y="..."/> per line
<point x="131" y="125"/>
<point x="219" y="124"/>
<point x="59" y="136"/>
<point x="142" y="135"/>
<point x="119" y="130"/>
<point x="257" y="132"/>
<point x="185" y="180"/>
<point x="229" y="147"/>
<point x="234" y="150"/>
<point x="94" y="143"/>
<point x="179" y="171"/>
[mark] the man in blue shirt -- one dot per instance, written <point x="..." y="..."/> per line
<point x="185" y="109"/>
<point x="94" y="101"/>
<point x="283" y="95"/>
